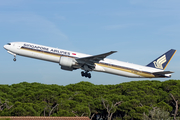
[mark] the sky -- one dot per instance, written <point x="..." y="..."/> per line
<point x="140" y="30"/>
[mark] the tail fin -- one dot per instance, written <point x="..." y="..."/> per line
<point x="162" y="61"/>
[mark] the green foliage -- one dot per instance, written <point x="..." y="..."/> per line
<point x="157" y="114"/>
<point x="137" y="98"/>
<point x="5" y="119"/>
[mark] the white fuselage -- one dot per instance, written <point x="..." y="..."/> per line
<point x="107" y="65"/>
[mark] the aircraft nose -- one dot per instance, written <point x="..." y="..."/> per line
<point x="5" y="47"/>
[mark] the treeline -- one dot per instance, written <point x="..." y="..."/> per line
<point x="134" y="100"/>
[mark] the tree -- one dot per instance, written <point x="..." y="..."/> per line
<point x="156" y="114"/>
<point x="110" y="107"/>
<point x="87" y="99"/>
<point x="5" y="105"/>
<point x="175" y="103"/>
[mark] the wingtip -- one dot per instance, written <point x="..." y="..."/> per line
<point x="113" y="51"/>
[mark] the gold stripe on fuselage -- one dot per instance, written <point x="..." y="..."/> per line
<point x="141" y="73"/>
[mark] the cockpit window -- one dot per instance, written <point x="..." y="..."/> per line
<point x="9" y="43"/>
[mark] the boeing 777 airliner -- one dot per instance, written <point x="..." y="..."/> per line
<point x="70" y="61"/>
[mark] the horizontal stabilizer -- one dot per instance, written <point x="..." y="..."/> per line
<point x="164" y="72"/>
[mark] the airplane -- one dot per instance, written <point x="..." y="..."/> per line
<point x="69" y="60"/>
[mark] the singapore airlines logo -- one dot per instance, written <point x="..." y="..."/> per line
<point x="160" y="62"/>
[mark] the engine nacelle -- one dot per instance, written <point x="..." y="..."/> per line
<point x="67" y="63"/>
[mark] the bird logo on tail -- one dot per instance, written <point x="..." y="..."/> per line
<point x="160" y="62"/>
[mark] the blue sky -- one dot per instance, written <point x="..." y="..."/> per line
<point x="140" y="30"/>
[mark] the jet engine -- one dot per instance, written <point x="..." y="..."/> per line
<point x="67" y="63"/>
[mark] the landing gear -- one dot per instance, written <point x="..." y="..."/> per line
<point x="86" y="74"/>
<point x="14" y="58"/>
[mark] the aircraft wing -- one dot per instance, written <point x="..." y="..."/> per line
<point x="91" y="60"/>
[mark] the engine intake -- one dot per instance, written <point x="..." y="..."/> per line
<point x="67" y="63"/>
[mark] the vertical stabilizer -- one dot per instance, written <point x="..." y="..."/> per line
<point x="162" y="61"/>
